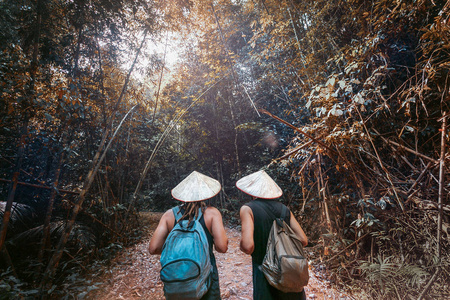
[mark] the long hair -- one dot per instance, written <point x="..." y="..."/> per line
<point x="191" y="210"/>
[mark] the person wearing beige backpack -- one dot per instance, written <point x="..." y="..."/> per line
<point x="257" y="220"/>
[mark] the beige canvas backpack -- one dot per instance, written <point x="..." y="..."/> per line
<point x="285" y="265"/>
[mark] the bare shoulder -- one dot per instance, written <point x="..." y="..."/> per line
<point x="168" y="214"/>
<point x="246" y="209"/>
<point x="168" y="218"/>
<point x="211" y="211"/>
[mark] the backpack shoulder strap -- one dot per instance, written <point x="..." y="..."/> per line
<point x="284" y="212"/>
<point x="177" y="213"/>
<point x="199" y="215"/>
<point x="266" y="209"/>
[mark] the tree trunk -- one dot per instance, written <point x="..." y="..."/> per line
<point x="441" y="186"/>
<point x="54" y="261"/>
<point x="45" y="244"/>
<point x="322" y="191"/>
<point x="160" y="80"/>
<point x="24" y="130"/>
<point x="7" y="212"/>
<point x="238" y="163"/>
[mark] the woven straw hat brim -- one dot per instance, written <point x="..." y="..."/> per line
<point x="196" y="187"/>
<point x="259" y="185"/>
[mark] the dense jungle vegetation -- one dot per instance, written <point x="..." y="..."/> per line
<point x="106" y="105"/>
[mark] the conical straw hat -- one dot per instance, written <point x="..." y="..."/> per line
<point x="196" y="187"/>
<point x="259" y="185"/>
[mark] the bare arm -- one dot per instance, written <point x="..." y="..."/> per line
<point x="247" y="243"/>
<point x="213" y="218"/>
<point x="161" y="232"/>
<point x="298" y="230"/>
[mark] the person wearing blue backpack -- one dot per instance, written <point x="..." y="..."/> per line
<point x="257" y="217"/>
<point x="185" y="237"/>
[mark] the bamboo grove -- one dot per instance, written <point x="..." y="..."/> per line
<point x="344" y="102"/>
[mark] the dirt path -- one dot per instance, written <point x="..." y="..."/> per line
<point x="134" y="274"/>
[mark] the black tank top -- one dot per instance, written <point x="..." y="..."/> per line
<point x="262" y="225"/>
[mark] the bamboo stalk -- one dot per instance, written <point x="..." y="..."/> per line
<point x="441" y="188"/>
<point x="324" y="194"/>
<point x="160" y="78"/>
<point x="408" y="163"/>
<point x="219" y="156"/>
<point x="430" y="283"/>
<point x="298" y="130"/>
<point x="419" y="178"/>
<point x="96" y="162"/>
<point x="430" y="205"/>
<point x="24" y="129"/>
<point x="340" y="252"/>
<point x="303" y="186"/>
<point x="40" y="186"/>
<point x="295" y="150"/>
<point x="412" y="151"/>
<point x="441" y="185"/>
<point x="13" y="187"/>
<point x="230" y="60"/>
<point x="97" y="220"/>
<point x="380" y="162"/>
<point x="53" y="263"/>
<point x="299" y="47"/>
<point x="46" y="228"/>
<point x="236" y="148"/>
<point x="161" y="140"/>
<point x="406" y="148"/>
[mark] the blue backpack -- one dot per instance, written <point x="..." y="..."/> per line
<point x="185" y="260"/>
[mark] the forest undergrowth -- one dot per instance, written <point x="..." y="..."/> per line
<point x="345" y="103"/>
<point x="134" y="273"/>
<point x="397" y="273"/>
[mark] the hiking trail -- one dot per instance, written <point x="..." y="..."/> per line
<point x="134" y="273"/>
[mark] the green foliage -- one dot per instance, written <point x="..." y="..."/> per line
<point x="393" y="278"/>
<point x="21" y="216"/>
<point x="382" y="271"/>
<point x="13" y="288"/>
<point x="81" y="239"/>
<point x="62" y="69"/>
<point x="355" y="75"/>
